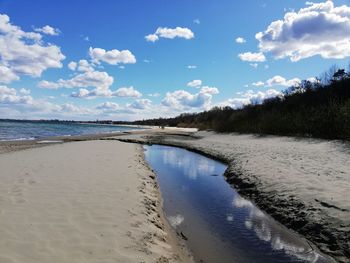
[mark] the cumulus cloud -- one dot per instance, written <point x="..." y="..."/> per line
<point x="252" y="57"/>
<point x="183" y="100"/>
<point x="170" y="33"/>
<point x="108" y="106"/>
<point x="112" y="57"/>
<point x="152" y="38"/>
<point x="113" y="108"/>
<point x="281" y="81"/>
<point x="258" y="84"/>
<point x="209" y="90"/>
<point x="19" y="103"/>
<point x="278" y="81"/>
<point x="140" y="104"/>
<point x="82" y="65"/>
<point x="194" y="83"/>
<point x="318" y="29"/>
<point x="96" y="79"/>
<point x="7" y="75"/>
<point x="191" y="66"/>
<point x="72" y="65"/>
<point x="129" y="92"/>
<point x="24" y="91"/>
<point x="251" y="97"/>
<point x="48" y="30"/>
<point x="8" y="95"/>
<point x="240" y="40"/>
<point x="24" y="53"/>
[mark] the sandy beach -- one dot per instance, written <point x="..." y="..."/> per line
<point x="303" y="183"/>
<point x="89" y="201"/>
<point x="93" y="198"/>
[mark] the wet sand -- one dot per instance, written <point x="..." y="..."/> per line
<point x="88" y="201"/>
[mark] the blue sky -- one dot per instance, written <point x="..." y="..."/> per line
<point x="126" y="60"/>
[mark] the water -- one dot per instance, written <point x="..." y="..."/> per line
<point x="220" y="225"/>
<point x="35" y="130"/>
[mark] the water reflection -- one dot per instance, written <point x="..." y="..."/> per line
<point x="174" y="158"/>
<point x="220" y="225"/>
<point x="270" y="231"/>
<point x="176" y="220"/>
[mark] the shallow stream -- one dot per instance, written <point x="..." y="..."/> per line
<point x="217" y="224"/>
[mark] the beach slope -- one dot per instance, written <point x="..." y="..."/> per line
<point x="303" y="183"/>
<point x="90" y="201"/>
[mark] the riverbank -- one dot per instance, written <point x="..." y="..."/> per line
<point x="86" y="201"/>
<point x="303" y="183"/>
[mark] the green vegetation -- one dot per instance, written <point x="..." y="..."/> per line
<point x="315" y="109"/>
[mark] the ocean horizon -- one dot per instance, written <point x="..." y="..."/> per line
<point x="33" y="130"/>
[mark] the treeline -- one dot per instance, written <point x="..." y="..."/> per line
<point x="318" y="108"/>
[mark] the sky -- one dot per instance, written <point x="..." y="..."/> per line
<point x="134" y="59"/>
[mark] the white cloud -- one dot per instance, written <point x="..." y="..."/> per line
<point x="281" y="81"/>
<point x="108" y="106"/>
<point x="96" y="79"/>
<point x="12" y="102"/>
<point x="183" y="100"/>
<point x="258" y="84"/>
<point x="19" y="105"/>
<point x="278" y="81"/>
<point x="318" y="29"/>
<point x="48" y="30"/>
<point x="209" y="90"/>
<point x="170" y="33"/>
<point x="25" y="53"/>
<point x="112" y="57"/>
<point x="191" y="66"/>
<point x="152" y="38"/>
<point x="156" y="94"/>
<point x="240" y="40"/>
<point x="24" y="91"/>
<point x="72" y="65"/>
<point x="82" y="93"/>
<point x="6" y="75"/>
<point x="82" y="65"/>
<point x="194" y="83"/>
<point x="140" y="104"/>
<point x="252" y="57"/>
<point x="196" y="21"/>
<point x="251" y="97"/>
<point x="128" y="92"/>
<point x="113" y="108"/>
<point x="106" y="93"/>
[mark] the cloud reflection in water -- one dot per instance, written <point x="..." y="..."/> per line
<point x="174" y="158"/>
<point x="268" y="231"/>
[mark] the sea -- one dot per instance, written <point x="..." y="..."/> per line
<point x="33" y="130"/>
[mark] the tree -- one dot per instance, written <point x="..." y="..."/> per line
<point x="339" y="75"/>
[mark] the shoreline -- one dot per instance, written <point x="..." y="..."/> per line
<point x="316" y="220"/>
<point x="61" y="205"/>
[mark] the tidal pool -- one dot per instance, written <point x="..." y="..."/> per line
<point x="217" y="224"/>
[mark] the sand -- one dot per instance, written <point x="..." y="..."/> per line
<point x="303" y="183"/>
<point x="89" y="201"/>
